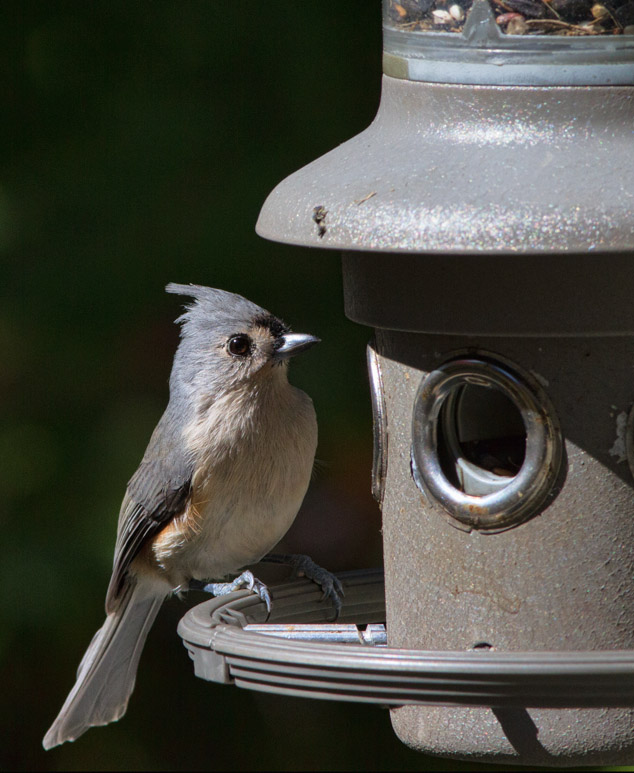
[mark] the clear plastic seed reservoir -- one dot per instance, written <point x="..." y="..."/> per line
<point x="510" y="42"/>
<point x="518" y="17"/>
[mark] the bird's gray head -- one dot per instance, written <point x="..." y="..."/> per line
<point x="227" y="340"/>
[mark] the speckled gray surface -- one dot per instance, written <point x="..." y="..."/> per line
<point x="472" y="170"/>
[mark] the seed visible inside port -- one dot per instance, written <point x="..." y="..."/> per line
<point x="456" y="12"/>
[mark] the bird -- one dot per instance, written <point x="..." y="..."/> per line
<point x="221" y="481"/>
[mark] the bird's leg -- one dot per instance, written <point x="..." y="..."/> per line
<point x="304" y="566"/>
<point x="245" y="580"/>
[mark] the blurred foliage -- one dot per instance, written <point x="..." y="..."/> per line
<point x="139" y="142"/>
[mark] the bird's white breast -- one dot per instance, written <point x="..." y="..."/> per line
<point x="254" y="455"/>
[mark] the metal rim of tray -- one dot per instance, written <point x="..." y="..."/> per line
<point x="230" y="642"/>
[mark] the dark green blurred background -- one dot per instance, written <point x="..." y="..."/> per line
<point x="139" y="141"/>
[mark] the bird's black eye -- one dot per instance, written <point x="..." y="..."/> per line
<point x="239" y="346"/>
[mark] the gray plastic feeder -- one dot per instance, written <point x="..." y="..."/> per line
<point x="487" y="230"/>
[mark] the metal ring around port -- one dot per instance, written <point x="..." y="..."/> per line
<point x="528" y="489"/>
<point x="379" y="425"/>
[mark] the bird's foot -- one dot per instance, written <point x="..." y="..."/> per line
<point x="304" y="566"/>
<point x="245" y="580"/>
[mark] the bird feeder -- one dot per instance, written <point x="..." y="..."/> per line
<point x="486" y="224"/>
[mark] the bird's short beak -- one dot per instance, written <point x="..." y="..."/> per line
<point x="292" y="344"/>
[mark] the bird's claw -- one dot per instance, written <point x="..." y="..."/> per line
<point x="304" y="566"/>
<point x="245" y="580"/>
<point x="261" y="590"/>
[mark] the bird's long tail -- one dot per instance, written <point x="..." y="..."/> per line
<point x="106" y="674"/>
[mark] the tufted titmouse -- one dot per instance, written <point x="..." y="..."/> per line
<point x="220" y="483"/>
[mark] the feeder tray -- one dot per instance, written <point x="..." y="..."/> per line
<point x="297" y="652"/>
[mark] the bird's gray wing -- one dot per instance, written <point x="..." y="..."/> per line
<point x="157" y="492"/>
